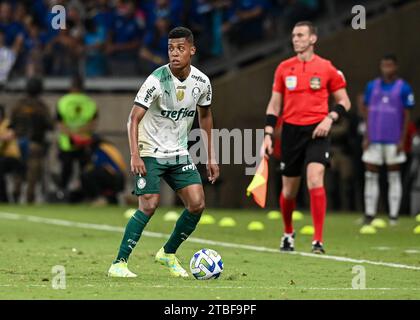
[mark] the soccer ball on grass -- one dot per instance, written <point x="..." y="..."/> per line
<point x="206" y="264"/>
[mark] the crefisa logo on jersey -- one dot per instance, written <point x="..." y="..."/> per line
<point x="149" y="94"/>
<point x="177" y="114"/>
<point x="291" y="82"/>
<point x="189" y="167"/>
<point x="198" y="78"/>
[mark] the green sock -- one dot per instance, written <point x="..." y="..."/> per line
<point x="183" y="228"/>
<point x="132" y="235"/>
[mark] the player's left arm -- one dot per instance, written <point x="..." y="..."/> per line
<point x="205" y="119"/>
<point x="337" y="87"/>
<point x="342" y="105"/>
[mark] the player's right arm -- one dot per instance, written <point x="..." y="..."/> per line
<point x="147" y="93"/>
<point x="272" y="112"/>
<point x="136" y="163"/>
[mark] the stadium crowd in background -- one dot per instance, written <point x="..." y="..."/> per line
<point x="127" y="37"/>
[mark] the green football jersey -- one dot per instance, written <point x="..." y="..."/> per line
<point x="171" y="106"/>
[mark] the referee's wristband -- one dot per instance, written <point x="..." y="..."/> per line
<point x="340" y="110"/>
<point x="270" y="120"/>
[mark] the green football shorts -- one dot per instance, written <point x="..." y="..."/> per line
<point x="178" y="172"/>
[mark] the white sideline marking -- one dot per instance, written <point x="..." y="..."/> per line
<point x="104" y="227"/>
<point x="231" y="287"/>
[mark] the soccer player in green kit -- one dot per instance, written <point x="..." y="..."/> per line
<point x="158" y="126"/>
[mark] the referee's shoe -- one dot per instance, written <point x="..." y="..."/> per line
<point x="317" y="247"/>
<point x="287" y="242"/>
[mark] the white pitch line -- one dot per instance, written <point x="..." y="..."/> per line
<point x="272" y="288"/>
<point x="104" y="227"/>
<point x="236" y="288"/>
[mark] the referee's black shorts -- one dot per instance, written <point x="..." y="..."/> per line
<point x="298" y="148"/>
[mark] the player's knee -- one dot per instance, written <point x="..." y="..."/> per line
<point x="315" y="181"/>
<point x="148" y="205"/>
<point x="288" y="194"/>
<point x="196" y="207"/>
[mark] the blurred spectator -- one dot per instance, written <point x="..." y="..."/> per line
<point x="9" y="158"/>
<point x="7" y="58"/>
<point x="12" y="28"/>
<point x="31" y="120"/>
<point x="62" y="54"/>
<point x="246" y="24"/>
<point x="34" y="47"/>
<point x="103" y="15"/>
<point x="155" y="46"/>
<point x="124" y="40"/>
<point x="76" y="116"/>
<point x="75" y="22"/>
<point x="104" y="176"/>
<point x="156" y="9"/>
<point x="94" y="43"/>
<point x="207" y="19"/>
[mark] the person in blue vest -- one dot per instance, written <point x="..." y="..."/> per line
<point x="389" y="100"/>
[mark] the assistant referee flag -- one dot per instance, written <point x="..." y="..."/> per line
<point x="258" y="185"/>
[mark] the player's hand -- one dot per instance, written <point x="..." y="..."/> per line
<point x="137" y="165"/>
<point x="213" y="172"/>
<point x="267" y="146"/>
<point x="323" y="128"/>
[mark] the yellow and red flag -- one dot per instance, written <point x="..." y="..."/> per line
<point x="258" y="185"/>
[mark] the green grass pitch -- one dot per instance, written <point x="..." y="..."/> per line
<point x="30" y="249"/>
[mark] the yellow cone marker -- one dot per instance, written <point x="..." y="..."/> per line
<point x="307" y="230"/>
<point x="227" y="222"/>
<point x="378" y="223"/>
<point x="256" y="226"/>
<point x="273" y="215"/>
<point x="207" y="219"/>
<point x="417" y="230"/>
<point x="297" y="216"/>
<point x="129" y="213"/>
<point x="368" y="229"/>
<point x="171" y="216"/>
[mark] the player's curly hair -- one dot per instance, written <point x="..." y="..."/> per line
<point x="181" y="32"/>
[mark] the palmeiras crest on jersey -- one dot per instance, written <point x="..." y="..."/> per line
<point x="141" y="183"/>
<point x="315" y="83"/>
<point x="291" y="82"/>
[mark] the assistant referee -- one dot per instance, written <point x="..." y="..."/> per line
<point x="302" y="86"/>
